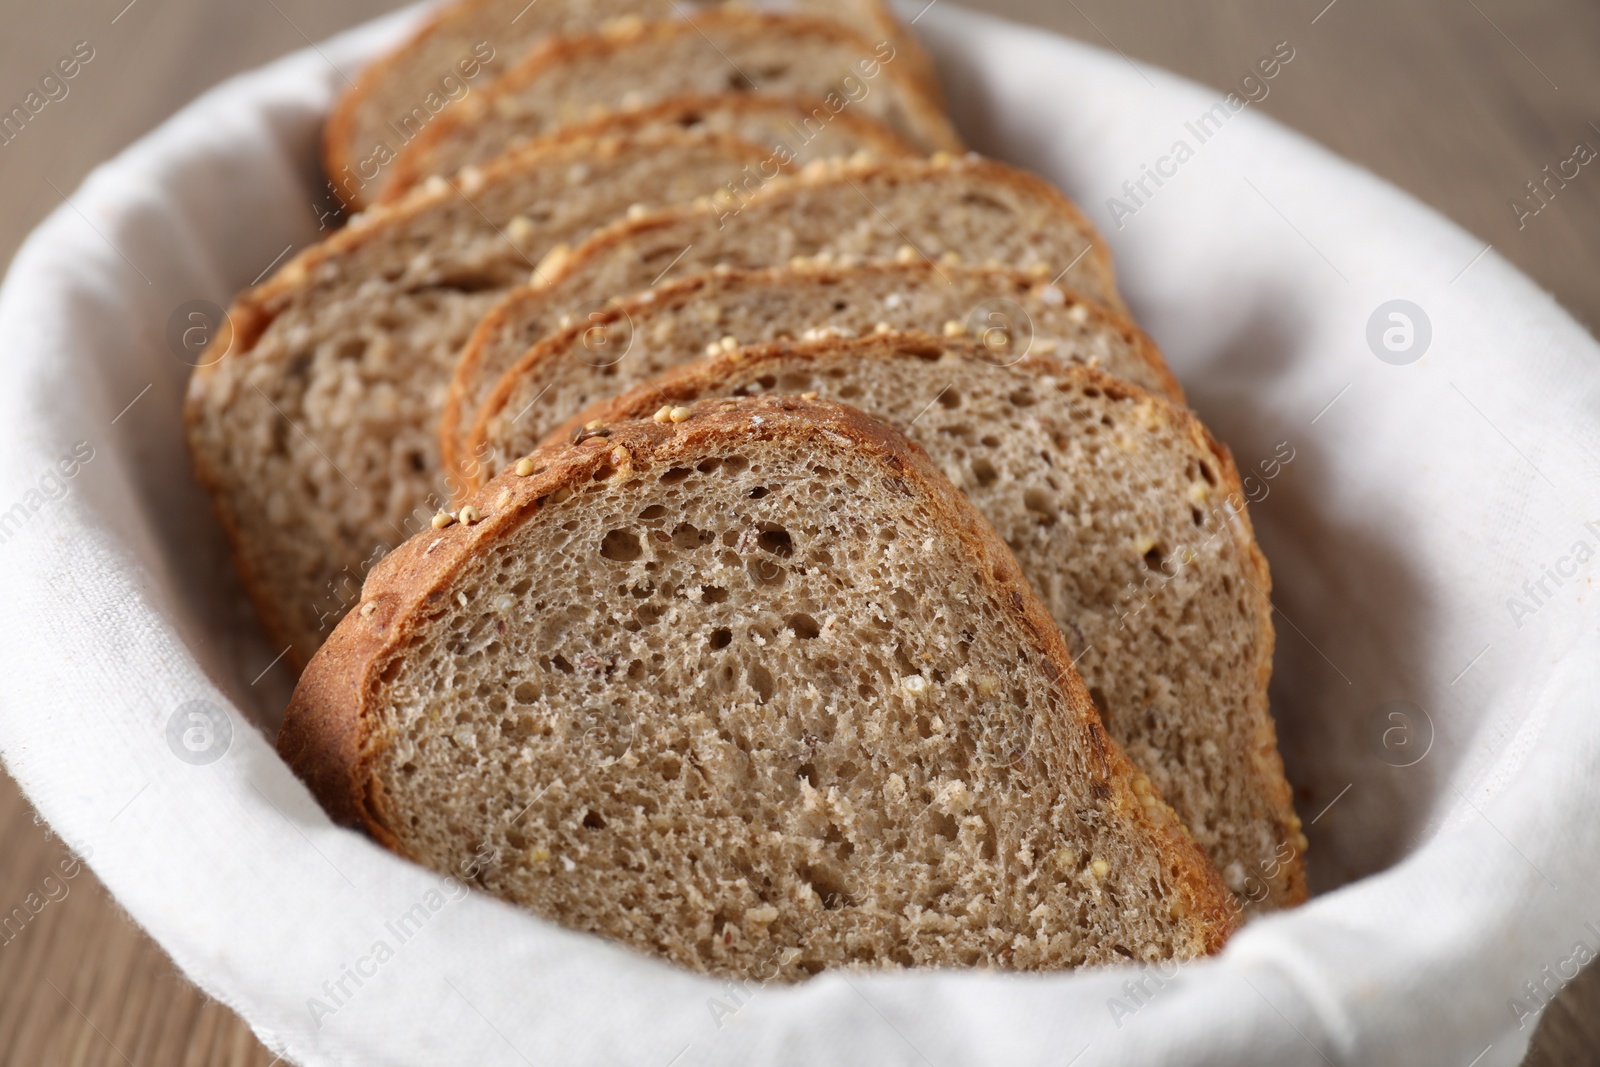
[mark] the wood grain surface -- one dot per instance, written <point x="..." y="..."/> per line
<point x="1460" y="102"/>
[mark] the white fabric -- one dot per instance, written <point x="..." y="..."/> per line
<point x="1413" y="509"/>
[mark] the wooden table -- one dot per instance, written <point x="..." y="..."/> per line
<point x="1461" y="102"/>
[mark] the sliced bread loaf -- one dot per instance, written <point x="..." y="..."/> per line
<point x="315" y="425"/>
<point x="636" y="63"/>
<point x="622" y="344"/>
<point x="465" y="45"/>
<point x="756" y="690"/>
<point x="1129" y="520"/>
<point x="796" y="130"/>
<point x="947" y="209"/>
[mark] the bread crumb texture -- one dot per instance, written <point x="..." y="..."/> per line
<point x="766" y="698"/>
<point x="1129" y="522"/>
<point x="317" y="433"/>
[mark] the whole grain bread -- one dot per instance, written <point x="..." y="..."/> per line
<point x="1127" y="517"/>
<point x="465" y="45"/>
<point x="636" y="63"/>
<point x="620" y="345"/>
<point x="964" y="209"/>
<point x="793" y="128"/>
<point x="754" y="689"/>
<point x="314" y="424"/>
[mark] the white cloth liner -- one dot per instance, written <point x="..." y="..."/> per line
<point x="1416" y="506"/>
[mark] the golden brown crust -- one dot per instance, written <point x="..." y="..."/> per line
<point x="339" y="127"/>
<point x="405" y="174"/>
<point x="675" y="294"/>
<point x="843" y="174"/>
<point x="466" y="382"/>
<point x="326" y="735"/>
<point x="338" y="130"/>
<point x="606" y="43"/>
<point x="691" y="382"/>
<point x="254" y="310"/>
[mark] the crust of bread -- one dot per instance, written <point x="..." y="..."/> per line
<point x="338" y="152"/>
<point x="339" y="128"/>
<point x="687" y="290"/>
<point x="678" y="111"/>
<point x="611" y="45"/>
<point x="254" y="310"/>
<point x="468" y="383"/>
<point x="250" y="314"/>
<point x="327" y="735"/>
<point x="691" y="382"/>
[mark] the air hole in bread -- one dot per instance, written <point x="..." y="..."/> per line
<point x="984" y="473"/>
<point x="469" y="282"/>
<point x="978" y="200"/>
<point x="686" y="537"/>
<point x="1041" y="504"/>
<point x="775" y="539"/>
<point x="829" y="887"/>
<point x="621" y="546"/>
<point x="760" y="680"/>
<point x="803" y="625"/>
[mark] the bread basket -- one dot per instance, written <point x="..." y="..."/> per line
<point x="1420" y="429"/>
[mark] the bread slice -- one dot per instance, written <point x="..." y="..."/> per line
<point x="795" y="129"/>
<point x="755" y="690"/>
<point x="1127" y="517"/>
<point x="316" y="431"/>
<point x="963" y="209"/>
<point x="618" y="346"/>
<point x="638" y="63"/>
<point x="465" y="45"/>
